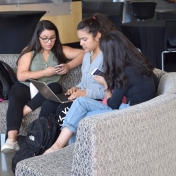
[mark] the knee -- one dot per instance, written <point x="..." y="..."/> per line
<point x="63" y="108"/>
<point x="19" y="95"/>
<point x="46" y="104"/>
<point x="18" y="99"/>
<point x="60" y="108"/>
<point x="55" y="87"/>
<point x="81" y="100"/>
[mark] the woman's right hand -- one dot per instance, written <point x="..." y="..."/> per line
<point x="24" y="73"/>
<point x="49" y="71"/>
<point x="101" y="80"/>
<point x="71" y="90"/>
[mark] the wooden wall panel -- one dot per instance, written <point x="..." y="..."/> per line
<point x="67" y="24"/>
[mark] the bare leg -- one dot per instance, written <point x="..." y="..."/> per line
<point x="61" y="141"/>
<point x="26" y="110"/>
<point x="13" y="135"/>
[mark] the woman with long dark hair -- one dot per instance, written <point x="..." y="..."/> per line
<point x="37" y="61"/>
<point x="126" y="73"/>
<point x="89" y="31"/>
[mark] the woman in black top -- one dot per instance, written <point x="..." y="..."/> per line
<point x="126" y="73"/>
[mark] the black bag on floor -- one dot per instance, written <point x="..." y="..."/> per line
<point x="7" y="79"/>
<point x="41" y="134"/>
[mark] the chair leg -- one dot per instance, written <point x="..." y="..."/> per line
<point x="162" y="60"/>
<point x="3" y="139"/>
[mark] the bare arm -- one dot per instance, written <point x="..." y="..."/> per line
<point x="23" y="72"/>
<point x="72" y="53"/>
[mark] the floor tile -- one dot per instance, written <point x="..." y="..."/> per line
<point x="6" y="161"/>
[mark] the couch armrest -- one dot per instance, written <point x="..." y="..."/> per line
<point x="167" y="84"/>
<point x="56" y="164"/>
<point x="139" y="140"/>
<point x="159" y="73"/>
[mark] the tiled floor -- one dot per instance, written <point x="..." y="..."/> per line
<point x="6" y="161"/>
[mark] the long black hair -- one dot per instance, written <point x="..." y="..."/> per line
<point x="34" y="44"/>
<point x="118" y="53"/>
<point x="95" y="24"/>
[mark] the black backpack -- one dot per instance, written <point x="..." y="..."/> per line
<point x="7" y="79"/>
<point x="41" y="134"/>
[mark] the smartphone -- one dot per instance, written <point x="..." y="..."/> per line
<point x="58" y="66"/>
<point x="96" y="71"/>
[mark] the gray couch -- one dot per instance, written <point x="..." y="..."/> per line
<point x="139" y="140"/>
<point x="67" y="81"/>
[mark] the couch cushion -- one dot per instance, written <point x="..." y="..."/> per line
<point x="159" y="73"/>
<point x="10" y="59"/>
<point x="167" y="84"/>
<point x="56" y="164"/>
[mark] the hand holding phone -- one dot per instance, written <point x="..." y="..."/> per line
<point x="96" y="71"/>
<point x="58" y="66"/>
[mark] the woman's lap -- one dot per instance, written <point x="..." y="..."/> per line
<point x="38" y="100"/>
<point x="79" y="109"/>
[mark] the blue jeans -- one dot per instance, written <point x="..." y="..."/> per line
<point x="81" y="108"/>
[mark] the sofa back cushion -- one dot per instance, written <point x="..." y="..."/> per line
<point x="10" y="59"/>
<point x="71" y="79"/>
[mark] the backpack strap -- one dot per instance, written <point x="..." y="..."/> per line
<point x="11" y="72"/>
<point x="5" y="84"/>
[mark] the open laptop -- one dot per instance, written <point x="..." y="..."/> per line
<point x="48" y="93"/>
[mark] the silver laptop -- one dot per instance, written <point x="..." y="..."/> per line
<point x="48" y="93"/>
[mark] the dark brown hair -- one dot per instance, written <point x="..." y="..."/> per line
<point x="118" y="53"/>
<point x="95" y="24"/>
<point x="34" y="44"/>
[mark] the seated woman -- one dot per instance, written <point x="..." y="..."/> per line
<point x="37" y="61"/>
<point x="90" y="30"/>
<point x="126" y="71"/>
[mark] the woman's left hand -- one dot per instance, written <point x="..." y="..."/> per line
<point x="100" y="80"/>
<point x="64" y="69"/>
<point x="78" y="93"/>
